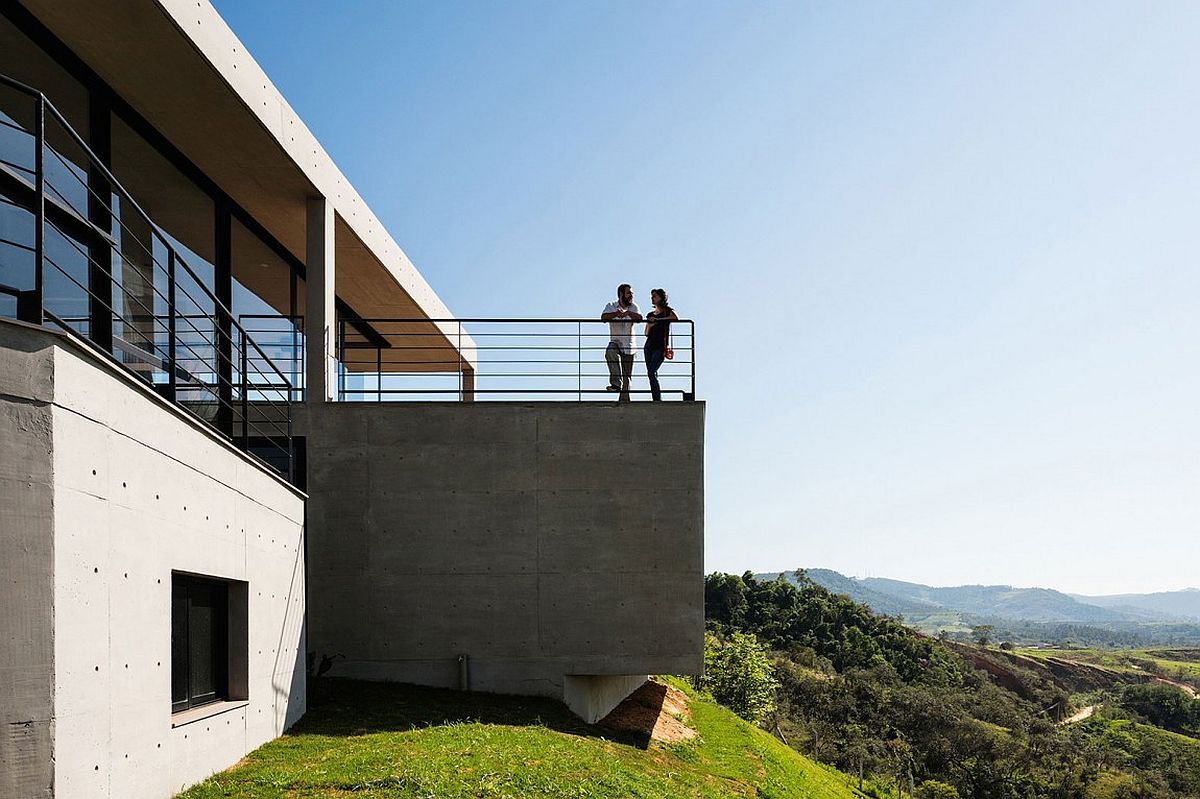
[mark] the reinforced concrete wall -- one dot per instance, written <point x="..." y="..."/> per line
<point x="112" y="491"/>
<point x="26" y="567"/>
<point x="541" y="540"/>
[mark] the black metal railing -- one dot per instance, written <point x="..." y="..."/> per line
<point x="384" y="360"/>
<point x="77" y="251"/>
<point x="282" y="338"/>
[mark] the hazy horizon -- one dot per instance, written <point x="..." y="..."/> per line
<point x="968" y="583"/>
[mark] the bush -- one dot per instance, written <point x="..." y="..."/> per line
<point x="739" y="675"/>
<point x="932" y="789"/>
<point x="1163" y="706"/>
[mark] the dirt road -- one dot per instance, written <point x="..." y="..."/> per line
<point x="1084" y="713"/>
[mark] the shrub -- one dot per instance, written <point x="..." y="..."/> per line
<point x="932" y="789"/>
<point x="739" y="675"/>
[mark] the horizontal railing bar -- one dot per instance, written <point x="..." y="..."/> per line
<point x="374" y="391"/>
<point x="12" y="83"/>
<point x="17" y="167"/>
<point x="514" y="320"/>
<point x="18" y="129"/>
<point x="18" y="245"/>
<point x="164" y="359"/>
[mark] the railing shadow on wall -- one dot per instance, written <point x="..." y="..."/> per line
<point x="79" y="252"/>
<point x="563" y="359"/>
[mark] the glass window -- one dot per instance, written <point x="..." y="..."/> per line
<point x="66" y="177"/>
<point x="199" y="641"/>
<point x="182" y="217"/>
<point x="262" y="305"/>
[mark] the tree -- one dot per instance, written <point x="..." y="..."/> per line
<point x="739" y="675"/>
<point x="982" y="633"/>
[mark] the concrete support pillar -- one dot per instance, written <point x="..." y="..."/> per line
<point x="592" y="697"/>
<point x="320" y="320"/>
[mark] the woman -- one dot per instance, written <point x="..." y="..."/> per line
<point x="658" y="331"/>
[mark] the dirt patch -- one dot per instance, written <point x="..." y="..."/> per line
<point x="1081" y="715"/>
<point x="655" y="710"/>
<point x="1187" y="689"/>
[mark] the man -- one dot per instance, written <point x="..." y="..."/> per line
<point x="620" y="316"/>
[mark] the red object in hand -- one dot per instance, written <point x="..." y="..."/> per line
<point x="670" y="353"/>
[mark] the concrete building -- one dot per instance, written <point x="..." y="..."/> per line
<point x="239" y="431"/>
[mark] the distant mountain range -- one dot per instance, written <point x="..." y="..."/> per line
<point x="1179" y="604"/>
<point x="925" y="605"/>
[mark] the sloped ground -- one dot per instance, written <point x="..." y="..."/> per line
<point x="1085" y="669"/>
<point x="656" y="710"/>
<point x="383" y="741"/>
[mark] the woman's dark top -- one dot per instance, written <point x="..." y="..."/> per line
<point x="656" y="339"/>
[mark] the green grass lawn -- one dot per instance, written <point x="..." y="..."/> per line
<point x="380" y="741"/>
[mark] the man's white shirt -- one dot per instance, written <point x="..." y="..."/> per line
<point x="621" y="330"/>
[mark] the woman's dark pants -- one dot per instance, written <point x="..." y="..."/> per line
<point x="654" y="359"/>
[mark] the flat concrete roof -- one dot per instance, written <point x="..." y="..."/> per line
<point x="181" y="67"/>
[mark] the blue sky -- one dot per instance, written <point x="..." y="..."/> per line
<point x="942" y="256"/>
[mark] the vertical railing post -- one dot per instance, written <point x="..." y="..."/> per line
<point x="245" y="394"/>
<point x="297" y="358"/>
<point x="579" y="359"/>
<point x="692" y="326"/>
<point x="291" y="443"/>
<point x="460" y="363"/>
<point x="379" y="374"/>
<point x="172" y="358"/>
<point x="341" y="350"/>
<point x="31" y="305"/>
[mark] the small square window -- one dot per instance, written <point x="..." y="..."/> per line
<point x="201" y="640"/>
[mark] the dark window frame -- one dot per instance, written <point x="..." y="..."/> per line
<point x="192" y="595"/>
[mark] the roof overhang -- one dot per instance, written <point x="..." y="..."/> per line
<point x="178" y="64"/>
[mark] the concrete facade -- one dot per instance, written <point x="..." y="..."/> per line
<point x="107" y="491"/>
<point x="530" y="548"/>
<point x="26" y="566"/>
<point x="541" y="540"/>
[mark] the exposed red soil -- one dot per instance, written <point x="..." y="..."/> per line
<point x="654" y="710"/>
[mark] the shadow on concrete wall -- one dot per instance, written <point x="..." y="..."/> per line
<point x="288" y="679"/>
<point x="352" y="707"/>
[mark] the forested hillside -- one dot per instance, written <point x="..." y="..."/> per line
<point x="907" y="712"/>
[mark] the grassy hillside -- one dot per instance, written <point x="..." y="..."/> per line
<point x="384" y="741"/>
<point x="1181" y="665"/>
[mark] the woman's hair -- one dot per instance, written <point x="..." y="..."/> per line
<point x="661" y="293"/>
